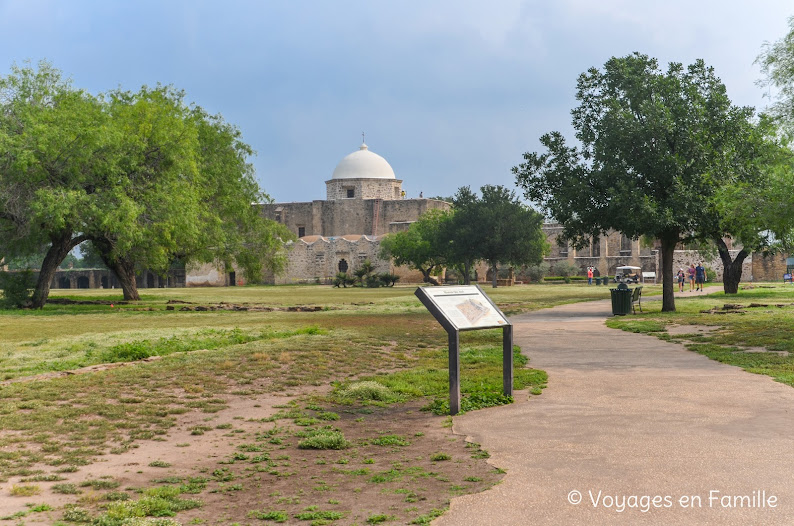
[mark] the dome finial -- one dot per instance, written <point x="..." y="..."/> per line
<point x="363" y="143"/>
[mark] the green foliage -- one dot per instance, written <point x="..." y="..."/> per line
<point x="537" y="273"/>
<point x="420" y="247"/>
<point x="390" y="440"/>
<point x="16" y="288"/>
<point x="343" y="279"/>
<point x="654" y="149"/>
<point x="66" y="488"/>
<point x="777" y="64"/>
<point x="380" y="518"/>
<point x="144" y="176"/>
<point x="470" y="402"/>
<point x="426" y="519"/>
<point x="388" y="279"/>
<point x="269" y="515"/>
<point x="324" y="439"/>
<point x="496" y="228"/>
<point x="366" y="390"/>
<point x="206" y="339"/>
<point x="315" y="515"/>
<point x="564" y="269"/>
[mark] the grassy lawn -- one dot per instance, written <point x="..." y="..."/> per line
<point x="198" y="354"/>
<point x="755" y="331"/>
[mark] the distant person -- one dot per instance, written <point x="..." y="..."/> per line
<point x="420" y="195"/>
<point x="700" y="277"/>
<point x="680" y="277"/>
<point x="403" y="194"/>
<point x="589" y="275"/>
<point x="691" y="274"/>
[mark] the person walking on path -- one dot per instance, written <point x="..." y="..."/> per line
<point x="589" y="275"/>
<point x="691" y="273"/>
<point x="680" y="277"/>
<point x="700" y="276"/>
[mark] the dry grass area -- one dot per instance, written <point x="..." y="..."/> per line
<point x="207" y="429"/>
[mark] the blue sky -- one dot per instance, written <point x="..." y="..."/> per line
<point x="451" y="93"/>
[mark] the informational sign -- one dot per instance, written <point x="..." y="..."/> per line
<point x="466" y="307"/>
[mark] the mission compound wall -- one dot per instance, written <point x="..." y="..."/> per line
<point x="350" y="216"/>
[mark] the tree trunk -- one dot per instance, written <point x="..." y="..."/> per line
<point x="124" y="269"/>
<point x="427" y="277"/>
<point x="466" y="272"/>
<point x="732" y="269"/>
<point x="61" y="245"/>
<point x="125" y="272"/>
<point x="495" y="274"/>
<point x="668" y="299"/>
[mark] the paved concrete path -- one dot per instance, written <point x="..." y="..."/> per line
<point x="631" y="415"/>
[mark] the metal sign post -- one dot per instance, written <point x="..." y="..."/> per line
<point x="467" y="308"/>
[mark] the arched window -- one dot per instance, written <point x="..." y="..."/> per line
<point x="342" y="266"/>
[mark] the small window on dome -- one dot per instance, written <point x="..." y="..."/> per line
<point x="351" y="192"/>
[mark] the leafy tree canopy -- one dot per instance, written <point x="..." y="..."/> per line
<point x="146" y="177"/>
<point x="654" y="148"/>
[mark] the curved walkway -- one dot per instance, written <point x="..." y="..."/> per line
<point x="632" y="417"/>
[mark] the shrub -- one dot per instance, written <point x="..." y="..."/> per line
<point x="127" y="352"/>
<point x="564" y="269"/>
<point x="368" y="390"/>
<point x="16" y="288"/>
<point x="536" y="273"/>
<point x="390" y="440"/>
<point x="269" y="515"/>
<point x="343" y="279"/>
<point x="324" y="439"/>
<point x="25" y="490"/>
<point x="388" y="279"/>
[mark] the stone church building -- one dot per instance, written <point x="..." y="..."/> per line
<point x="364" y="201"/>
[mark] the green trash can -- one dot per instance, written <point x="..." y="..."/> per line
<point x="621" y="301"/>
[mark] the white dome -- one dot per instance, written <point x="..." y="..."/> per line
<point x="363" y="164"/>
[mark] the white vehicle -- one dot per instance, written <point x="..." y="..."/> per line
<point x="627" y="274"/>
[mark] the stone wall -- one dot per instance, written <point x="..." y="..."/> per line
<point x="768" y="268"/>
<point x="351" y="216"/>
<point x="683" y="258"/>
<point x="606" y="254"/>
<point x="340" y="189"/>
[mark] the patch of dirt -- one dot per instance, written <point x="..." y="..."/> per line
<point x="67" y="301"/>
<point x="254" y="464"/>
<point x="245" y="307"/>
<point x="678" y="330"/>
<point x="738" y="308"/>
<point x="763" y="350"/>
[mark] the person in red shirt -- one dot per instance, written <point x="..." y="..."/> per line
<point x="589" y="275"/>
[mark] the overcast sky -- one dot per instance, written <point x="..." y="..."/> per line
<point x="451" y="93"/>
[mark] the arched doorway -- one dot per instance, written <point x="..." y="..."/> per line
<point x="343" y="266"/>
<point x="83" y="282"/>
<point x="64" y="283"/>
